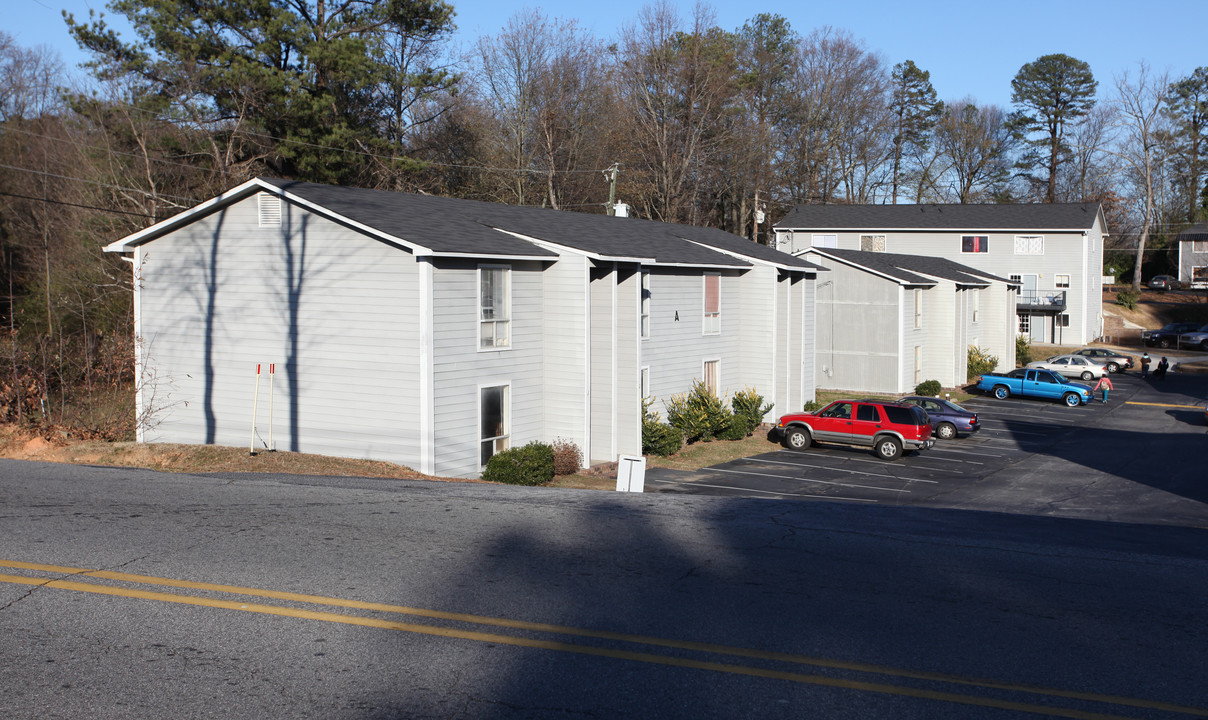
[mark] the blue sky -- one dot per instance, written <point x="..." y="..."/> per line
<point x="972" y="48"/>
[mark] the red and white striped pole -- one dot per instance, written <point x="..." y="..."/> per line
<point x="251" y="448"/>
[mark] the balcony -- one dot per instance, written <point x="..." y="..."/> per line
<point x="1051" y="301"/>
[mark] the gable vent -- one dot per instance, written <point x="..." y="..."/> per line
<point x="270" y="210"/>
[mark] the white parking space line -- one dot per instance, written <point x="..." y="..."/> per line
<point x="963" y="451"/>
<point x="827" y="467"/>
<point x="823" y="482"/>
<point x="764" y="492"/>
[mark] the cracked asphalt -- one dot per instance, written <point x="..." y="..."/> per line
<point x="1141" y="458"/>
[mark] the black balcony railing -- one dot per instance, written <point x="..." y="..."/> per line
<point x="1051" y="300"/>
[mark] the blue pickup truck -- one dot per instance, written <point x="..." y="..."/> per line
<point x="1033" y="382"/>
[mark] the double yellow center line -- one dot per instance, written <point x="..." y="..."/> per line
<point x="573" y="647"/>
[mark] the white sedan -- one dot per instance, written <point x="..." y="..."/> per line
<point x="1072" y="366"/>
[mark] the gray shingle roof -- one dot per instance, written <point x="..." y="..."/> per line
<point x="1195" y="233"/>
<point x="1060" y="216"/>
<point x="910" y="268"/>
<point x="450" y="225"/>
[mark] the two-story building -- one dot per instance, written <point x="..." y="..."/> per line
<point x="1054" y="252"/>
<point x="886" y="321"/>
<point x="435" y="332"/>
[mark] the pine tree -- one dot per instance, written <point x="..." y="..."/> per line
<point x="915" y="112"/>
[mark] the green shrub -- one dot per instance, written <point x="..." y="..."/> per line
<point x="748" y="412"/>
<point x="929" y="388"/>
<point x="568" y="458"/>
<point x="1128" y="298"/>
<point x="658" y="438"/>
<point x="1023" y="350"/>
<point x="532" y="464"/>
<point x="811" y="406"/>
<point x="698" y="413"/>
<point x="981" y="362"/>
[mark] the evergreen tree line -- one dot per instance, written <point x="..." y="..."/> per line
<point x="703" y="125"/>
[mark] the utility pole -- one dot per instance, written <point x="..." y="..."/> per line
<point x="611" y="176"/>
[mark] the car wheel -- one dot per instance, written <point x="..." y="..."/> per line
<point x="1164" y="343"/>
<point x="1001" y="392"/>
<point x="797" y="439"/>
<point x="888" y="448"/>
<point x="1088" y="375"/>
<point x="1113" y="368"/>
<point x="945" y="431"/>
<point x="1072" y="399"/>
<point x="1204" y="345"/>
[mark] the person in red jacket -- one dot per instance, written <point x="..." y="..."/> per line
<point x="1105" y="385"/>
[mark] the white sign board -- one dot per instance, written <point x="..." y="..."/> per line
<point x="631" y="473"/>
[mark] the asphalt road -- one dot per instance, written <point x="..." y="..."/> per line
<point x="134" y="594"/>
<point x="1141" y="458"/>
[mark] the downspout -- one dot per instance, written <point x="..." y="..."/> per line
<point x="139" y="371"/>
<point x="427" y="375"/>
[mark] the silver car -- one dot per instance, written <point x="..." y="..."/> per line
<point x="1072" y="366"/>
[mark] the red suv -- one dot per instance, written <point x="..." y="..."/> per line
<point x="885" y="427"/>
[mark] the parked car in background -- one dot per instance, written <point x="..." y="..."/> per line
<point x="948" y="418"/>
<point x="1034" y="382"/>
<point x="886" y="427"/>
<point x="1110" y="359"/>
<point x="1072" y="366"/>
<point x="1164" y="282"/>
<point x="1168" y="336"/>
<point x="1198" y="338"/>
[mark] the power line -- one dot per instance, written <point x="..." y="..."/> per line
<point x="88" y="207"/>
<point x="97" y="182"/>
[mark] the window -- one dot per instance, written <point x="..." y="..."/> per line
<point x="270" y="210"/>
<point x="867" y="413"/>
<point x="975" y="243"/>
<point x="712" y="381"/>
<point x="1017" y="279"/>
<point x="1029" y="244"/>
<point x="1025" y="324"/>
<point x="976" y="304"/>
<point x="825" y="241"/>
<point x="918" y="308"/>
<point x="493" y="411"/>
<point x="918" y="364"/>
<point x="1062" y="281"/>
<point x="494" y="292"/>
<point x="1199" y="246"/>
<point x="644" y="382"/>
<point x="1063" y="320"/>
<point x="712" y="324"/>
<point x="645" y="304"/>
<point x="872" y="243"/>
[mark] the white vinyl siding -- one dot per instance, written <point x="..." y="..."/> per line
<point x="337" y="313"/>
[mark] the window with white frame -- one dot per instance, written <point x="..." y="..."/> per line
<point x="1063" y="320"/>
<point x="872" y="243"/>
<point x="644" y="382"/>
<point x="976" y="304"/>
<point x="493" y="413"/>
<point x="975" y="243"/>
<point x="712" y="308"/>
<point x="918" y="308"/>
<point x="1061" y="281"/>
<point x="1199" y="246"/>
<point x="494" y="306"/>
<point x="712" y="378"/>
<point x="645" y="304"/>
<point x="918" y="364"/>
<point x="1029" y="244"/>
<point x="824" y="241"/>
<point x="1025" y="324"/>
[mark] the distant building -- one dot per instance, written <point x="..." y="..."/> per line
<point x="1054" y="252"/>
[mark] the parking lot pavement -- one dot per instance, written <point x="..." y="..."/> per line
<point x="1138" y="458"/>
